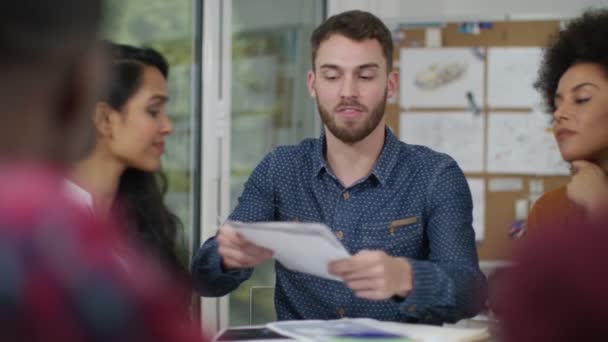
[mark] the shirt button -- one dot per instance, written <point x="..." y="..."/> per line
<point x="340" y="234"/>
<point x="412" y="308"/>
<point x="346" y="195"/>
<point x="341" y="312"/>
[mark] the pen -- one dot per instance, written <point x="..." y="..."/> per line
<point x="472" y="105"/>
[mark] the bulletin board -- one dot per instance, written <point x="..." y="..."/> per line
<point x="500" y="204"/>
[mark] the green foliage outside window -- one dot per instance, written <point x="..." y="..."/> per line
<point x="167" y="26"/>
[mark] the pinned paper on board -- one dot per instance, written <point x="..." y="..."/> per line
<point x="511" y="74"/>
<point x="478" y="192"/>
<point x="460" y="135"/>
<point x="523" y="143"/>
<point x="440" y="77"/>
<point x="506" y="184"/>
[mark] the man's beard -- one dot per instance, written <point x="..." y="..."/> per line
<point x="350" y="135"/>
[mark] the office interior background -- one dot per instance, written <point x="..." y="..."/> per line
<point x="237" y="85"/>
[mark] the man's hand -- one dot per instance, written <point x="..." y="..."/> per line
<point x="237" y="252"/>
<point x="375" y="275"/>
<point x="589" y="187"/>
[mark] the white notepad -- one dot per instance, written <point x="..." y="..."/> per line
<point x="302" y="247"/>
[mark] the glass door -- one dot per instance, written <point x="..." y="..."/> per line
<point x="172" y="27"/>
<point x="270" y="106"/>
<point x="238" y="88"/>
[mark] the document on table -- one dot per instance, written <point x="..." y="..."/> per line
<point x="358" y="329"/>
<point x="347" y="329"/>
<point x="251" y="333"/>
<point x="302" y="247"/>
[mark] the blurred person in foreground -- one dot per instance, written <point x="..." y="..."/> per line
<point x="62" y="274"/>
<point x="556" y="289"/>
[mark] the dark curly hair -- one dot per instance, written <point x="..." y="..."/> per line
<point x="140" y="193"/>
<point x="583" y="41"/>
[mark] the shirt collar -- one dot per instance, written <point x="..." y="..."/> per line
<point x="388" y="157"/>
<point x="78" y="195"/>
<point x="381" y="170"/>
<point x="318" y="156"/>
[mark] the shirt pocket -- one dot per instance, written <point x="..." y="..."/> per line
<point x="400" y="237"/>
<point x="291" y="215"/>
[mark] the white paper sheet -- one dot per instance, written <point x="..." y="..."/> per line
<point x="459" y="135"/>
<point x="433" y="333"/>
<point x="511" y="74"/>
<point x="478" y="192"/>
<point x="441" y="77"/>
<point x="521" y="143"/>
<point x="291" y="243"/>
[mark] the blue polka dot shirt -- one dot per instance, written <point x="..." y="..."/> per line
<point x="415" y="203"/>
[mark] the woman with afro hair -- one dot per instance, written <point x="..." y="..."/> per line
<point x="556" y="287"/>
<point x="573" y="80"/>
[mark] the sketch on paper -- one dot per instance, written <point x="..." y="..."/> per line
<point x="460" y="135"/>
<point x="440" y="77"/>
<point x="437" y="75"/>
<point x="523" y="143"/>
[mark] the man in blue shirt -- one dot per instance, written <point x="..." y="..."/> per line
<point x="404" y="212"/>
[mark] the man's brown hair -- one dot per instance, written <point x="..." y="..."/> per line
<point x="358" y="26"/>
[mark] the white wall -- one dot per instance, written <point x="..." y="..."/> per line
<point x="407" y="11"/>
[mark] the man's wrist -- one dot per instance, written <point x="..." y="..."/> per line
<point x="406" y="282"/>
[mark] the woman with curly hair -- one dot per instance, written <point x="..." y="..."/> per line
<point x="556" y="289"/>
<point x="573" y="80"/>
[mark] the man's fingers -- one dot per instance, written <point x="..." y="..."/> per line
<point x="372" y="294"/>
<point x="374" y="271"/>
<point x="227" y="241"/>
<point x="340" y="267"/>
<point x="250" y="256"/>
<point x="237" y="252"/>
<point x="255" y="250"/>
<point x="236" y="259"/>
<point x="228" y="237"/>
<point x="355" y="263"/>
<point x="366" y="284"/>
<point x="228" y="231"/>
